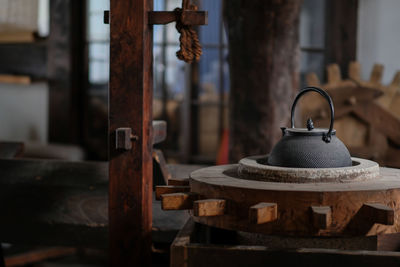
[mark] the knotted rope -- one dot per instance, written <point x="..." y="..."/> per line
<point x="190" y="48"/>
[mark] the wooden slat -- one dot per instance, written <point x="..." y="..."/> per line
<point x="10" y="150"/>
<point x="190" y="17"/>
<point x="130" y="105"/>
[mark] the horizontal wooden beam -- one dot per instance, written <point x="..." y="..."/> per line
<point x="159" y="131"/>
<point x="189" y="18"/>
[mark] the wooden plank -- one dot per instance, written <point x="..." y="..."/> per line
<point x="263" y="213"/>
<point x="190" y="17"/>
<point x="321" y="216"/>
<point x="9" y="150"/>
<point x="130" y="105"/>
<point x="38" y="255"/>
<point x="209" y="207"/>
<point x="381" y="119"/>
<point x="186" y="250"/>
<point x="15" y="79"/>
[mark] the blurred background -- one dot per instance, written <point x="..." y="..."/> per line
<point x="54" y="64"/>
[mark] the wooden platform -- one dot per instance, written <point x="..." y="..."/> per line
<point x="198" y="245"/>
<point x="48" y="202"/>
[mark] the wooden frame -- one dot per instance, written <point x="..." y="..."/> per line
<point x="130" y="106"/>
<point x="199" y="245"/>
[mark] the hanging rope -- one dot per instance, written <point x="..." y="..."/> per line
<point x="190" y="48"/>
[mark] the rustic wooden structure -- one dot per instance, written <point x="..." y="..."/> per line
<point x="198" y="245"/>
<point x="367" y="112"/>
<point x="265" y="36"/>
<point x="130" y="170"/>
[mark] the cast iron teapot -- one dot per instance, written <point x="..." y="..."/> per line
<point x="310" y="147"/>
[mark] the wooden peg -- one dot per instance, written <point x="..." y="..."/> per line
<point x="396" y="80"/>
<point x="209" y="207"/>
<point x="312" y="79"/>
<point x="263" y="212"/>
<point x="178" y="201"/>
<point x="321" y="217"/>
<point x="376" y="74"/>
<point x="334" y="76"/>
<point x="190" y="17"/>
<point x="379" y="213"/>
<point x="168" y="189"/>
<point x="354" y="71"/>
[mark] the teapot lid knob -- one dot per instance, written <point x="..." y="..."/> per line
<point x="310" y="124"/>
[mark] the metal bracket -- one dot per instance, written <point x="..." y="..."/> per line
<point x="123" y="138"/>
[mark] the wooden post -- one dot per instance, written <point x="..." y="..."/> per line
<point x="264" y="70"/>
<point x="341" y="29"/>
<point x="130" y="171"/>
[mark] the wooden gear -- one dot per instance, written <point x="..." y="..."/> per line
<point x="367" y="113"/>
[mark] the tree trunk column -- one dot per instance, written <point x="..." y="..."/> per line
<point x="264" y="70"/>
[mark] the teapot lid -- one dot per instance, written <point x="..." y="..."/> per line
<point x="309" y="131"/>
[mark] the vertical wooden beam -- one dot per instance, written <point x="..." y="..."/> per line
<point x="264" y="72"/>
<point x="130" y="100"/>
<point x="64" y="70"/>
<point x="341" y="33"/>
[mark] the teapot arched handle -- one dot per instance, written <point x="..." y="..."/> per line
<point x="327" y="136"/>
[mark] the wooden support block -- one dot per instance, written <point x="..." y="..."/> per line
<point x="209" y="207"/>
<point x="189" y="17"/>
<point x="168" y="189"/>
<point x="178" y="201"/>
<point x="321" y="216"/>
<point x="379" y="213"/>
<point x="263" y="213"/>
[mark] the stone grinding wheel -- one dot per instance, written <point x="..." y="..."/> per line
<point x="219" y="197"/>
